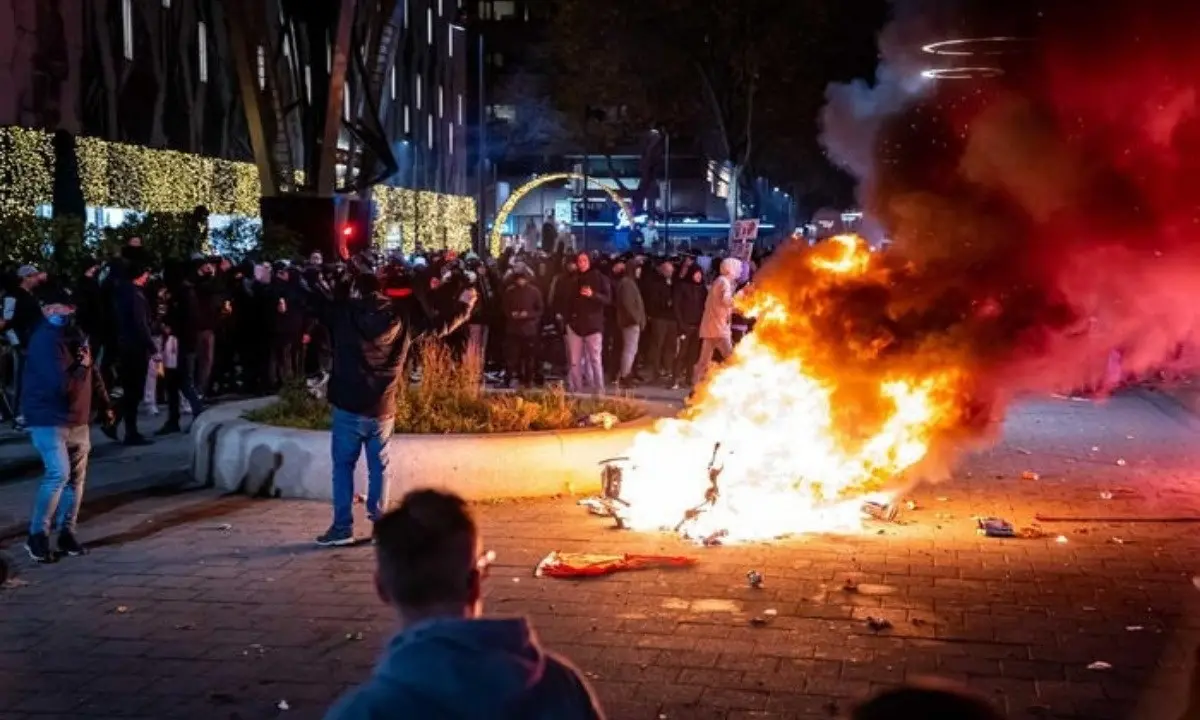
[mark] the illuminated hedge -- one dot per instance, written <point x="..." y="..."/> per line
<point x="138" y="178"/>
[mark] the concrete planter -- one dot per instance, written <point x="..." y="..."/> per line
<point x="234" y="454"/>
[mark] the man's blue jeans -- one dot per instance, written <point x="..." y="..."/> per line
<point x="64" y="452"/>
<point x="351" y="433"/>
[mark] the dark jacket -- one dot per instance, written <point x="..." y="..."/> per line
<point x="27" y="314"/>
<point x="585" y="315"/>
<point x="523" y="310"/>
<point x="369" y="341"/>
<point x="656" y="294"/>
<point x="469" y="670"/>
<point x="630" y="310"/>
<point x="133" y="320"/>
<point x="688" y="304"/>
<point x="183" y="316"/>
<point x="209" y="299"/>
<point x="58" y="389"/>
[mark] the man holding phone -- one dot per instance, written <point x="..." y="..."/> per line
<point x="586" y="297"/>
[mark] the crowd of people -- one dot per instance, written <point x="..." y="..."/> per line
<point x="209" y="327"/>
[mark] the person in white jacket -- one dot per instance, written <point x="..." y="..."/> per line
<point x="716" y="331"/>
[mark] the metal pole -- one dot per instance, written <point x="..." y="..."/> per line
<point x="584" y="191"/>
<point x="482" y="233"/>
<point x="667" y="209"/>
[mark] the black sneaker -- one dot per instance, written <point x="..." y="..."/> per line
<point x="336" y="538"/>
<point x="68" y="545"/>
<point x="169" y="429"/>
<point x="38" y="547"/>
<point x="138" y="441"/>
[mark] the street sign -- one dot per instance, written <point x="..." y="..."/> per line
<point x="744" y="231"/>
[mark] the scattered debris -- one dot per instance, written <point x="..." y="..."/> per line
<point x="910" y="505"/>
<point x="770" y="612"/>
<point x="1106" y="495"/>
<point x="1121" y="462"/>
<point x="1116" y="541"/>
<point x="878" y="624"/>
<point x="122" y="609"/>
<point x="995" y="527"/>
<point x="283" y="705"/>
<point x="605" y="420"/>
<point x="758" y="621"/>
<point x="1030" y="475"/>
<point x="354" y="636"/>
<point x="574" y="565"/>
<point x="1032" y="533"/>
<point x="1099" y="665"/>
<point x="881" y="511"/>
<point x="754" y="579"/>
<point x="224" y="527"/>
<point x="943" y="499"/>
<point x="1134" y="628"/>
<point x="1061" y="540"/>
<point x="852" y="586"/>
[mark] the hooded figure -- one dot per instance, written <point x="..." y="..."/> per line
<point x="716" y="331"/>
<point x="460" y="669"/>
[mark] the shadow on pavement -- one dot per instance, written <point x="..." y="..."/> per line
<point x="225" y="505"/>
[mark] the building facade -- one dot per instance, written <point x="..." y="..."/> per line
<point x="252" y="81"/>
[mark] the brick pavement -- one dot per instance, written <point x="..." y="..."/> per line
<point x="174" y="616"/>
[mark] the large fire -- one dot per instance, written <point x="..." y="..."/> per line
<point x="764" y="450"/>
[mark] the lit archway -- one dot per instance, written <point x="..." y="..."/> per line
<point x="502" y="214"/>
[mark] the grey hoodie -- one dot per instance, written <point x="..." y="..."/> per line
<point x="451" y="669"/>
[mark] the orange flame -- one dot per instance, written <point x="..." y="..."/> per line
<point x="785" y="461"/>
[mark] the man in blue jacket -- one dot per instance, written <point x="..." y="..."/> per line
<point x="447" y="663"/>
<point x="59" y="386"/>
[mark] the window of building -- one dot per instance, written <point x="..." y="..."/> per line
<point x="262" y="67"/>
<point x="407" y="120"/>
<point x="450" y="40"/>
<point x="167" y="4"/>
<point x="394" y="73"/>
<point x="308" y="83"/>
<point x="429" y="24"/>
<point x="503" y="8"/>
<point x="459" y="109"/>
<point x="127" y="28"/>
<point x="202" y="49"/>
<point x="441" y="103"/>
<point x="450" y="136"/>
<point x="430" y="129"/>
<point x="507" y="113"/>
<point x="419" y="84"/>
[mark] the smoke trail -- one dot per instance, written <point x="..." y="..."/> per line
<point x="1040" y="219"/>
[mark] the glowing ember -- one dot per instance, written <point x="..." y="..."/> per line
<point x="764" y="450"/>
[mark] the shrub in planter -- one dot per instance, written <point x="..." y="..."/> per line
<point x="450" y="398"/>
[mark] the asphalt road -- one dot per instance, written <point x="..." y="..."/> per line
<point x="196" y="606"/>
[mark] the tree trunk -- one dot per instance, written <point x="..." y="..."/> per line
<point x="156" y="31"/>
<point x="99" y="21"/>
<point x="71" y="14"/>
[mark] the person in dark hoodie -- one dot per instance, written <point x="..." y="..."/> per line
<point x="523" y="315"/>
<point x="688" y="299"/>
<point x="136" y="343"/>
<point x="447" y="662"/>
<point x="60" y="387"/>
<point x="369" y="341"/>
<point x="585" y="295"/>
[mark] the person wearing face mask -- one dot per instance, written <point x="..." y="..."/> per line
<point x="61" y="389"/>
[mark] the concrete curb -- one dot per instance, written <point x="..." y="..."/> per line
<point x="236" y="455"/>
<point x="1170" y="406"/>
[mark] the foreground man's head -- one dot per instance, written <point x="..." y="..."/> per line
<point x="427" y="558"/>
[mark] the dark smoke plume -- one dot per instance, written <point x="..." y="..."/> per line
<point x="1041" y="218"/>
